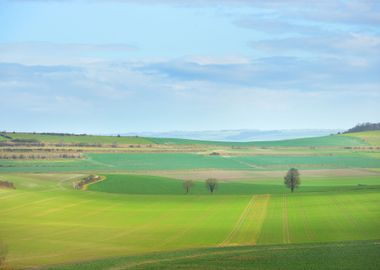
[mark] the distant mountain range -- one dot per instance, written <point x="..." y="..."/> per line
<point x="238" y="135"/>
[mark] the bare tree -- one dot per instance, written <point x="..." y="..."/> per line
<point x="292" y="179"/>
<point x="211" y="184"/>
<point x="187" y="185"/>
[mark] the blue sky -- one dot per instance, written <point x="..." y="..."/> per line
<point x="125" y="66"/>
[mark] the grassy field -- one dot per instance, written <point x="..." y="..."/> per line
<point x="145" y="184"/>
<point x="332" y="140"/>
<point x="370" y="137"/>
<point x="341" y="255"/>
<point x="140" y="218"/>
<point x="189" y="161"/>
<point x="87" y="139"/>
<point x="44" y="221"/>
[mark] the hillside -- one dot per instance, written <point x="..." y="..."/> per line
<point x="369" y="137"/>
<point x="332" y="140"/>
<point x="75" y="139"/>
<point x="364" y="127"/>
<point x="348" y="255"/>
<point x="355" y="139"/>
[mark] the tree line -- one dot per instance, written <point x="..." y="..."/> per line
<point x="39" y="155"/>
<point x="292" y="181"/>
<point x="211" y="185"/>
<point x="364" y="127"/>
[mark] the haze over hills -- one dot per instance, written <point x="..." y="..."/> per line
<point x="240" y="135"/>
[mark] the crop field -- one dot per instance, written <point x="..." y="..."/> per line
<point x="353" y="139"/>
<point x="45" y="222"/>
<point x="370" y="137"/>
<point x="190" y="161"/>
<point x="138" y="215"/>
<point x="332" y="140"/>
<point x="90" y="139"/>
<point x="345" y="255"/>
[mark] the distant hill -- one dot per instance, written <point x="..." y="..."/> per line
<point x="364" y="127"/>
<point x="242" y="135"/>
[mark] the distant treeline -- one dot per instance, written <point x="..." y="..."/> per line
<point x="39" y="156"/>
<point x="36" y="143"/>
<point x="21" y="142"/>
<point x="42" y="133"/>
<point x="364" y="127"/>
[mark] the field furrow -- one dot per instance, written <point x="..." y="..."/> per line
<point x="248" y="227"/>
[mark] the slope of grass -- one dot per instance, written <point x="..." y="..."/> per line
<point x="185" y="161"/>
<point x="45" y="222"/>
<point x="145" y="184"/>
<point x="86" y="139"/>
<point x="346" y="255"/>
<point x="370" y="137"/>
<point x="332" y="140"/>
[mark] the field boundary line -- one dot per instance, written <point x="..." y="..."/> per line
<point x="257" y="207"/>
<point x="239" y="222"/>
<point x="262" y="215"/>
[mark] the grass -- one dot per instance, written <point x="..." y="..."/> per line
<point x="86" y="139"/>
<point x="332" y="140"/>
<point x="45" y="222"/>
<point x="370" y="137"/>
<point x="188" y="161"/>
<point x="345" y="255"/>
<point x="131" y="221"/>
<point x="146" y="184"/>
<point x="325" y="141"/>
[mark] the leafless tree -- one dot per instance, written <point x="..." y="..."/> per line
<point x="211" y="184"/>
<point x="187" y="185"/>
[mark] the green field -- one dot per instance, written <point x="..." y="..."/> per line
<point x="145" y="184"/>
<point x="370" y="137"/>
<point x="354" y="139"/>
<point x="189" y="161"/>
<point x="341" y="255"/>
<point x="44" y="221"/>
<point x="139" y="217"/>
<point x="86" y="139"/>
<point x="332" y="140"/>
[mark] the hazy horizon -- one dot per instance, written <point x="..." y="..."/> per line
<point x="136" y="66"/>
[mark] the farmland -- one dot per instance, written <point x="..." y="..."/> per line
<point x="139" y="217"/>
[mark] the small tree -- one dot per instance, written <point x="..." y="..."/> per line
<point x="292" y="179"/>
<point x="211" y="184"/>
<point x="187" y="185"/>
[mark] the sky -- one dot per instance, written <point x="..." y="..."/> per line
<point x="129" y="66"/>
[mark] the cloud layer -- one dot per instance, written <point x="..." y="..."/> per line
<point x="225" y="64"/>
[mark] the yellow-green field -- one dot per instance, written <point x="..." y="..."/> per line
<point x="45" y="221"/>
<point x="139" y="217"/>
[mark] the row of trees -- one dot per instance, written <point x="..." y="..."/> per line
<point x="39" y="156"/>
<point x="364" y="127"/>
<point x="291" y="180"/>
<point x="211" y="185"/>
